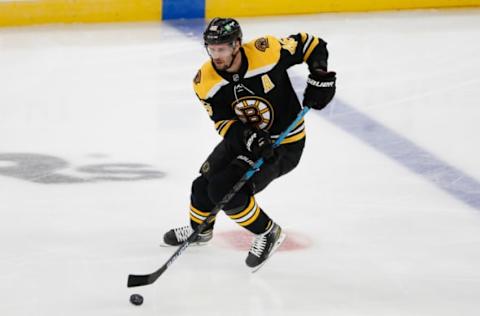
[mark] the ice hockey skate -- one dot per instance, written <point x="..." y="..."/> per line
<point x="264" y="246"/>
<point x="176" y="236"/>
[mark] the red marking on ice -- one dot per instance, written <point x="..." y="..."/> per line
<point x="241" y="240"/>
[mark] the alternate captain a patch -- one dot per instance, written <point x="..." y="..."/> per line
<point x="261" y="44"/>
<point x="267" y="83"/>
<point x="198" y="77"/>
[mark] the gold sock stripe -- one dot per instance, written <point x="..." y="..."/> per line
<point x="198" y="216"/>
<point x="248" y="216"/>
<point x="196" y="220"/>
<point x="197" y="211"/>
<point x="252" y="219"/>
<point x="199" y="219"/>
<point x="245" y="211"/>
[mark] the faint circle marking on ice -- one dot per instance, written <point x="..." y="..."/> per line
<point x="242" y="240"/>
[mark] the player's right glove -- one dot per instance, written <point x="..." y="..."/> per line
<point x="258" y="142"/>
<point x="320" y="89"/>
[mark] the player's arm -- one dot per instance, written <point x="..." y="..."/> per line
<point x="303" y="47"/>
<point x="225" y="122"/>
<point x="206" y="85"/>
<point x="321" y="83"/>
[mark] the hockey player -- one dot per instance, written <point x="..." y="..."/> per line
<point x="247" y="93"/>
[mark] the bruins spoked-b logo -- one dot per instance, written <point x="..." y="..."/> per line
<point x="254" y="111"/>
<point x="262" y="44"/>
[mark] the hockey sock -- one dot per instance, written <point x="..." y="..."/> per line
<point x="197" y="217"/>
<point x="251" y="217"/>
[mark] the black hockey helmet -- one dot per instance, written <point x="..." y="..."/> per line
<point x="221" y="31"/>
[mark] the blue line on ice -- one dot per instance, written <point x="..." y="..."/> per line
<point x="405" y="152"/>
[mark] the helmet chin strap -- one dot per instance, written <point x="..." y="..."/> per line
<point x="233" y="59"/>
<point x="234" y="45"/>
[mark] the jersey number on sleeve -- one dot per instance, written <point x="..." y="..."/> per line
<point x="289" y="44"/>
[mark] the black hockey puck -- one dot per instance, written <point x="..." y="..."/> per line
<point x="136" y="299"/>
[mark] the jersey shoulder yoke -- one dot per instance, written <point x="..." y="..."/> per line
<point x="207" y="82"/>
<point x="263" y="54"/>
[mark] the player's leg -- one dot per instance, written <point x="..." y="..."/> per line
<point x="286" y="159"/>
<point x="200" y="203"/>
<point x="200" y="206"/>
<point x="265" y="244"/>
<point x="244" y="209"/>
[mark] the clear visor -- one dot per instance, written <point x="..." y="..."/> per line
<point x="220" y="50"/>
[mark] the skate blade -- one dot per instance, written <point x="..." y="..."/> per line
<point x="201" y="244"/>
<point x="280" y="240"/>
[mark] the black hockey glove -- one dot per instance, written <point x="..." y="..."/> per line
<point x="258" y="142"/>
<point x="320" y="89"/>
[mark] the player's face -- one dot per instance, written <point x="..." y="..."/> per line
<point x="222" y="55"/>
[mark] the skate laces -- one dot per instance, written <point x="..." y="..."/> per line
<point x="258" y="245"/>
<point x="182" y="233"/>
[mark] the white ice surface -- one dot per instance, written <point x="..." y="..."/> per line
<point x="382" y="240"/>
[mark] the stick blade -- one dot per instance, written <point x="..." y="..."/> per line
<point x="139" y="280"/>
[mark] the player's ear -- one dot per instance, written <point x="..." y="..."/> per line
<point x="238" y="43"/>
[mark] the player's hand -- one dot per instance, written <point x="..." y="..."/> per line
<point x="320" y="89"/>
<point x="258" y="142"/>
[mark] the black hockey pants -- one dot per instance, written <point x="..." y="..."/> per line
<point x="224" y="167"/>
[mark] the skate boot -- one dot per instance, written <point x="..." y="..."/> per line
<point x="176" y="236"/>
<point x="263" y="247"/>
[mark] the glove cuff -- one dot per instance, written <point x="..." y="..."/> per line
<point x="320" y="83"/>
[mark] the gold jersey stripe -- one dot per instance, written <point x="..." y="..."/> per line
<point x="220" y="126"/>
<point x="217" y="124"/>
<point x="297" y="134"/>
<point x="310" y="49"/>
<point x="225" y="128"/>
<point x="304" y="37"/>
<point x="252" y="219"/>
<point x="299" y="123"/>
<point x="294" y="138"/>
<point x="245" y="211"/>
<point x="195" y="210"/>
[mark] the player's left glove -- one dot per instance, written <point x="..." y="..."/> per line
<point x="320" y="89"/>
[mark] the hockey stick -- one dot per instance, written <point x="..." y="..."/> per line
<point x="140" y="280"/>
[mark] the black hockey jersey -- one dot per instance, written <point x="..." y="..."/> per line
<point x="260" y="95"/>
